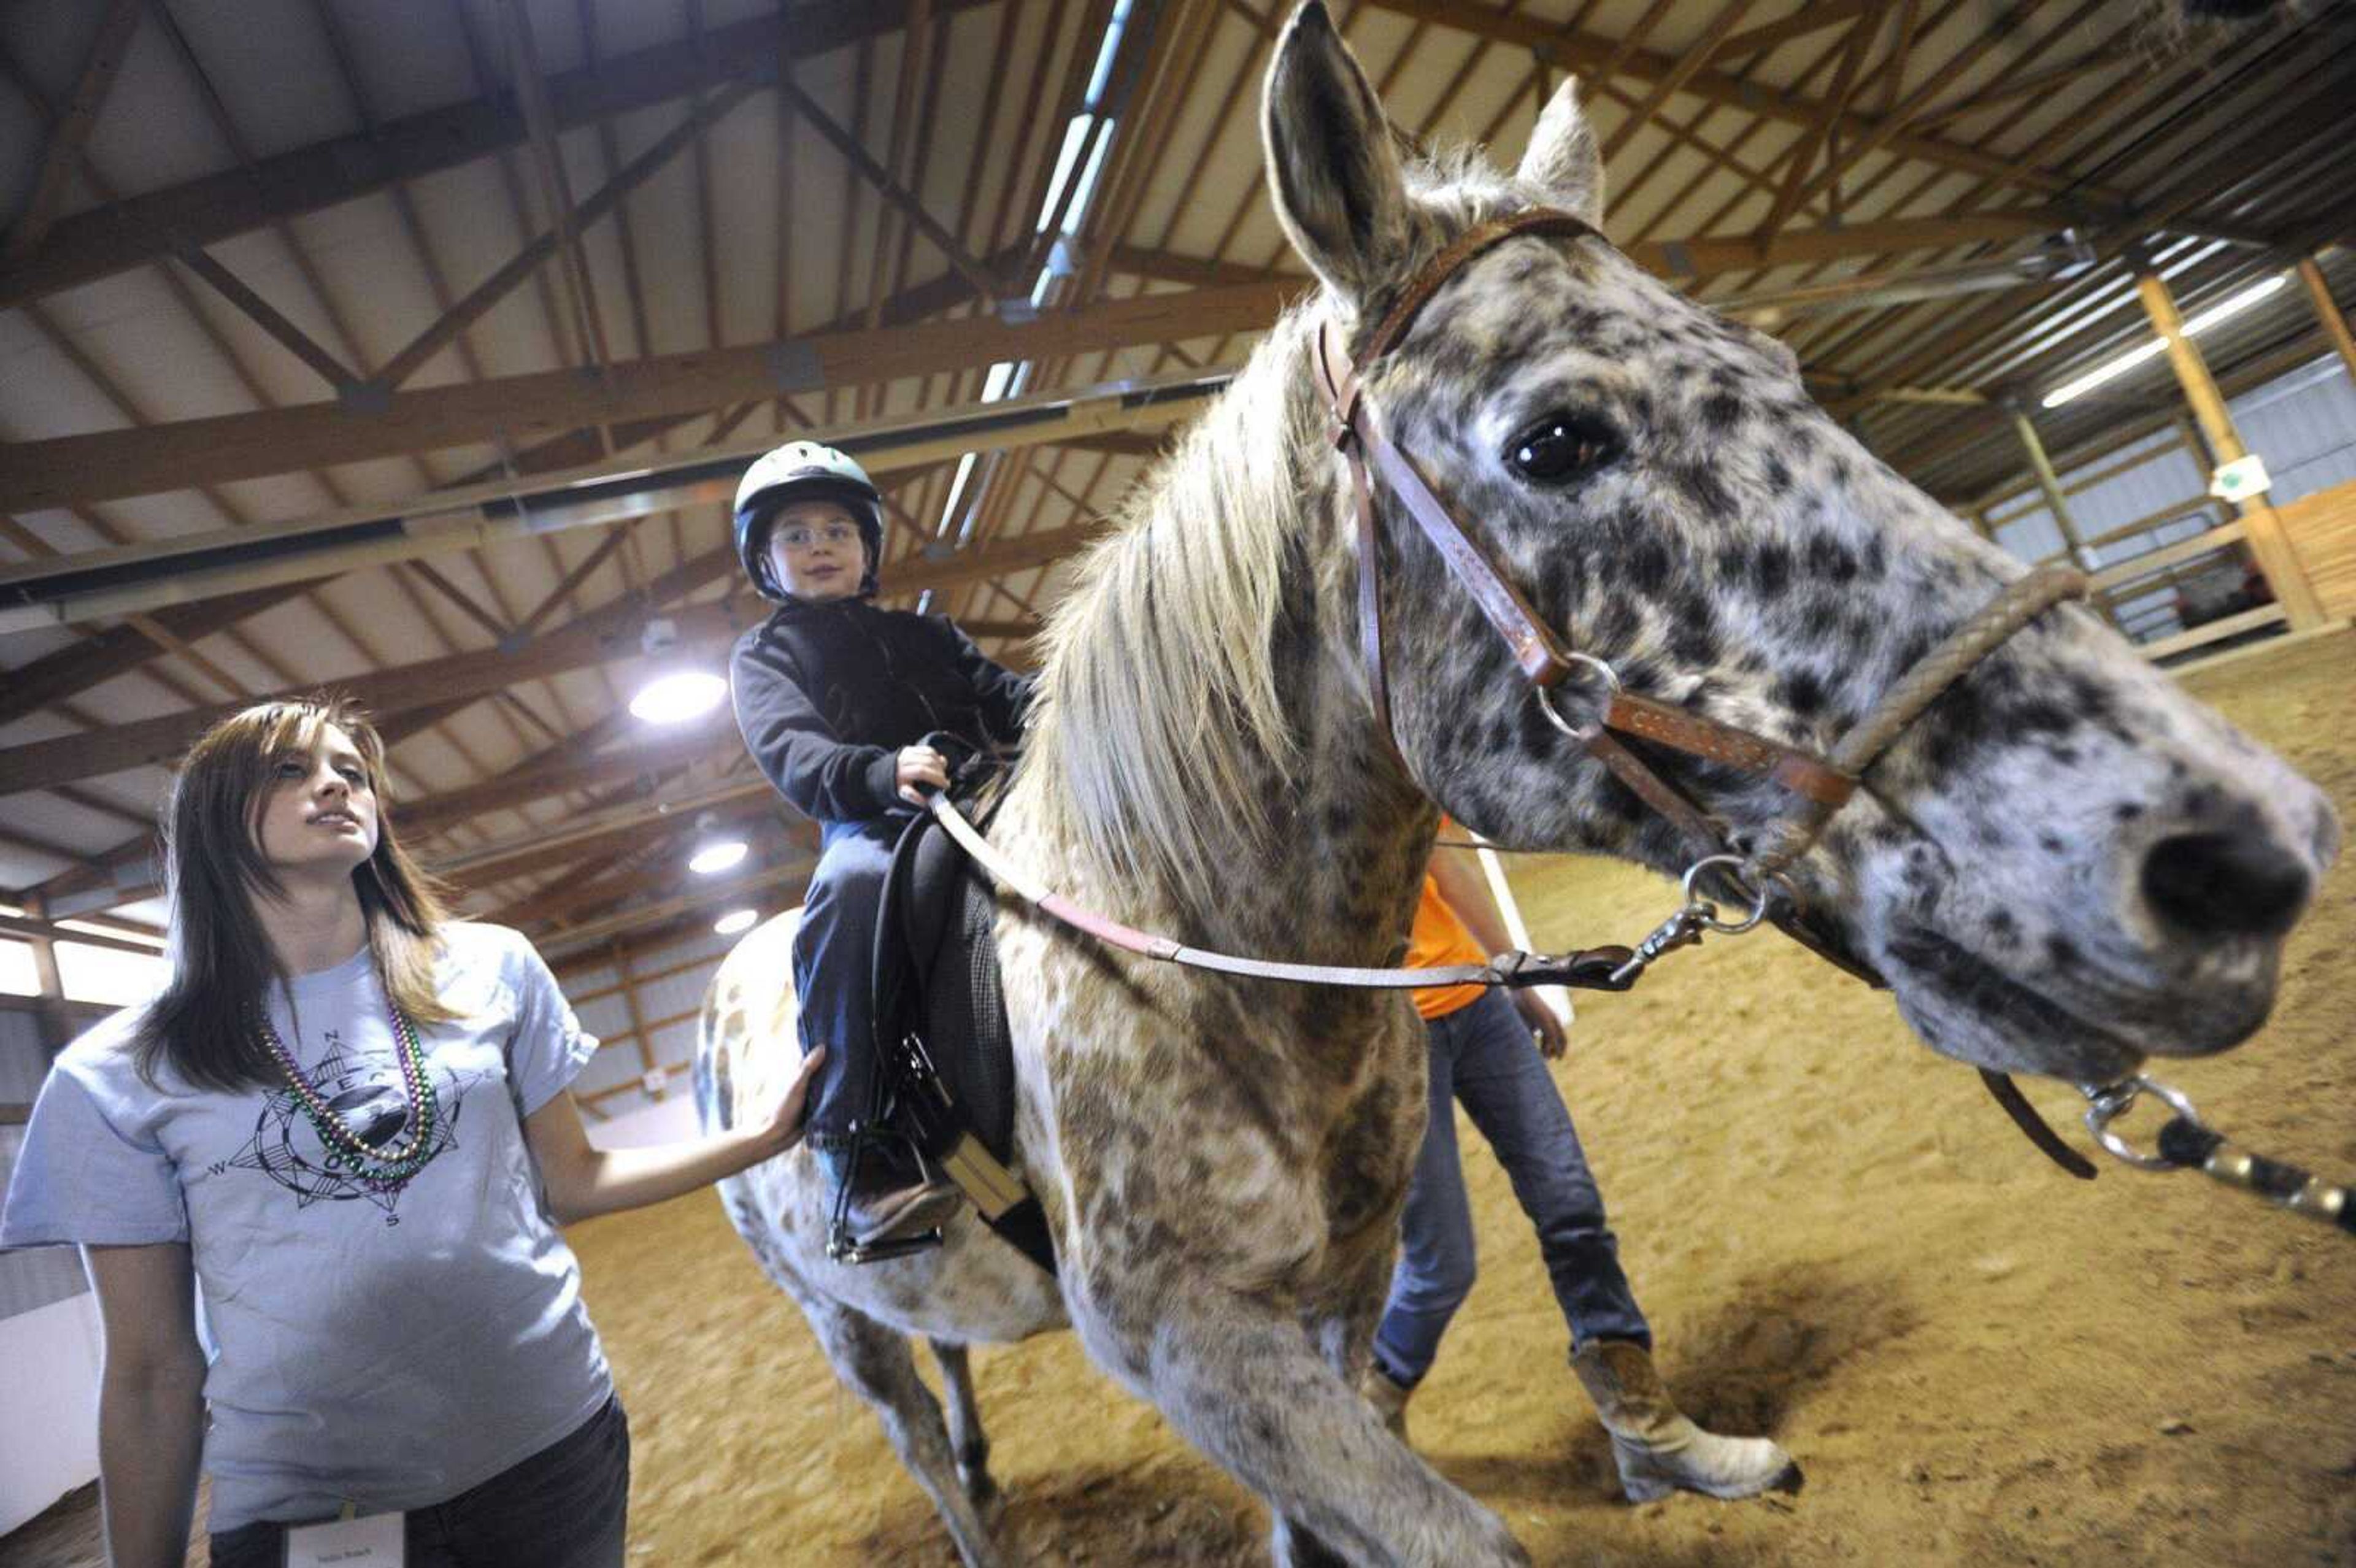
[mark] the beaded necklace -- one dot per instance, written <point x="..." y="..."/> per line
<point x="345" y="1151"/>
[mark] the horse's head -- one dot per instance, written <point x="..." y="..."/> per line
<point x="2063" y="863"/>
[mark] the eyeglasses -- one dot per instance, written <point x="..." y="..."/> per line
<point x="802" y="536"/>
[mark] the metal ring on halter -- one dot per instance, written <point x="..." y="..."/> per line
<point x="1582" y="733"/>
<point x="2111" y="1101"/>
<point x="1759" y="893"/>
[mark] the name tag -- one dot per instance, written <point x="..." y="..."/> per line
<point x="371" y="1540"/>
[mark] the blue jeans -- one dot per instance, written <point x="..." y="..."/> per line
<point x="1483" y="1056"/>
<point x="565" y="1506"/>
<point x="834" y="973"/>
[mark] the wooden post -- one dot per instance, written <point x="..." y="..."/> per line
<point x="2268" y="543"/>
<point x="56" y="1029"/>
<point x="2326" y="311"/>
<point x="2051" y="483"/>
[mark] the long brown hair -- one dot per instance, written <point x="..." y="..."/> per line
<point x="205" y="1024"/>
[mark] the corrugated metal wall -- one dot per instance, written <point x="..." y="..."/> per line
<point x="617" y="1063"/>
<point x="2303" y="424"/>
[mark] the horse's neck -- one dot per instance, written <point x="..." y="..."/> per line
<point x="1359" y="835"/>
<point x="1333" y="882"/>
<point x="1334" y="878"/>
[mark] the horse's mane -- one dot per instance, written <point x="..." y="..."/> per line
<point x="1158" y="709"/>
<point x="1158" y="719"/>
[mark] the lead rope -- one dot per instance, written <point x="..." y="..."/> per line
<point x="1589" y="968"/>
<point x="2188" y="1143"/>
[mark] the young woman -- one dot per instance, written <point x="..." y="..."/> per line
<point x="343" y="1129"/>
<point x="835" y="698"/>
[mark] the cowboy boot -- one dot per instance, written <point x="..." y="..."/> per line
<point x="1656" y="1447"/>
<point x="892" y="1209"/>
<point x="1389" y="1399"/>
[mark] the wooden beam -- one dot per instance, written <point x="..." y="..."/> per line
<point x="580" y="838"/>
<point x="1813" y="17"/>
<point x="1706" y="255"/>
<point x="2277" y="557"/>
<point x="440" y="686"/>
<point x="1577" y="51"/>
<point x="520" y="409"/>
<point x="1887" y="129"/>
<point x="69" y="133"/>
<point x="267" y="316"/>
<point x="611" y="925"/>
<point x="2326" y="311"/>
<point x="87" y="246"/>
<point x="565" y="221"/>
<point x="2102" y="58"/>
<point x="517" y="408"/>
<point x="2212" y="632"/>
<point x="609" y="632"/>
<point x="1796" y="183"/>
<point x="43" y="931"/>
<point x="1693" y="57"/>
<point x="904" y="201"/>
<point x="57" y="677"/>
<point x="1145" y="445"/>
<point x="552" y="241"/>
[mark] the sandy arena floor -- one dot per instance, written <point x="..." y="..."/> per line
<point x="1838" y="1237"/>
<point x="1840" y="1240"/>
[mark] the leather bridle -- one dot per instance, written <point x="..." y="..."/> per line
<point x="1819" y="786"/>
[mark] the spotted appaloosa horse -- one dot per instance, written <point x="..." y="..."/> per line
<point x="2065" y="863"/>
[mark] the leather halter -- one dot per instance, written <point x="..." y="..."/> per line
<point x="1822" y="786"/>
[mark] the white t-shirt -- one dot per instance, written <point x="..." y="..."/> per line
<point x="392" y="1346"/>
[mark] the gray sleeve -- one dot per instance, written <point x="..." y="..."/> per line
<point x="88" y="1177"/>
<point x="549" y="1047"/>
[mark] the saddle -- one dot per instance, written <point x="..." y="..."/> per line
<point x="943" y="1046"/>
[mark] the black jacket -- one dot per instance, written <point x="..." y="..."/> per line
<point x="827" y="694"/>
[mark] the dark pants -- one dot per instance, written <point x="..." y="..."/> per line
<point x="1482" y="1055"/>
<point x="565" y="1506"/>
<point x="834" y="965"/>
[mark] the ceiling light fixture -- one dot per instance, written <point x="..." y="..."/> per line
<point x="2224" y="310"/>
<point x="675" y="690"/>
<point x="714" y="859"/>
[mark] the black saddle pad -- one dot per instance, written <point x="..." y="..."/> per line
<point x="936" y="977"/>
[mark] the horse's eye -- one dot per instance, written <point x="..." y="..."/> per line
<point x="1562" y="447"/>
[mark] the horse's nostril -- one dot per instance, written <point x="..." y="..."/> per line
<point x="2225" y="884"/>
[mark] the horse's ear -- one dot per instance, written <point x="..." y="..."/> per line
<point x="1563" y="159"/>
<point x="1330" y="164"/>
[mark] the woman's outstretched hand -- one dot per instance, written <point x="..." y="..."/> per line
<point x="784" y="1129"/>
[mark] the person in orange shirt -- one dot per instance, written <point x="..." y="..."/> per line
<point x="1485" y="1051"/>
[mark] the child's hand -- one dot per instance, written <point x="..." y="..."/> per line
<point x="921" y="765"/>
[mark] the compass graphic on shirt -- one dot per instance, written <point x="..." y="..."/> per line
<point x="368" y="1094"/>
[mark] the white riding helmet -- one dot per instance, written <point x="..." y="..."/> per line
<point x="804" y="470"/>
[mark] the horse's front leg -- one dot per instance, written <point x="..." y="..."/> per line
<point x="1241" y="1380"/>
<point x="1343" y="1335"/>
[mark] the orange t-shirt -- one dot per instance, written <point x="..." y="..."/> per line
<point x="1439" y="938"/>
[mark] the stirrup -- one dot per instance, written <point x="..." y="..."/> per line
<point x="842" y="1245"/>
